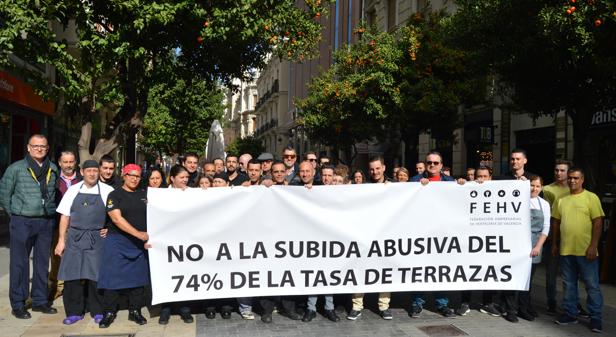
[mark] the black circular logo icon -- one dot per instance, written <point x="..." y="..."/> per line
<point x="487" y="193"/>
<point x="516" y="193"/>
<point x="501" y="193"/>
<point x="473" y="194"/>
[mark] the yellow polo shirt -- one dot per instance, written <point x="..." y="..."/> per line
<point x="553" y="192"/>
<point x="576" y="212"/>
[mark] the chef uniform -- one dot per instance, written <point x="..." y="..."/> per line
<point x="83" y="246"/>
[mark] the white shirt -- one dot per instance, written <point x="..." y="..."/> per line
<point x="67" y="200"/>
<point x="545" y="207"/>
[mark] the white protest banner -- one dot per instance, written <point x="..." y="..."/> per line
<point x="283" y="240"/>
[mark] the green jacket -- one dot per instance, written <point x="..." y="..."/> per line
<point x="20" y="193"/>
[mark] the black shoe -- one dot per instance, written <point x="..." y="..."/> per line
<point x="266" y="318"/>
<point x="21" y="313"/>
<point x="551" y="311"/>
<point x="45" y="309"/>
<point x="291" y="315"/>
<point x="210" y="314"/>
<point x="108" y="318"/>
<point x="186" y="316"/>
<point x="309" y="315"/>
<point x="332" y="315"/>
<point x="165" y="314"/>
<point x="446" y="312"/>
<point x="225" y="314"/>
<point x="511" y="317"/>
<point x="533" y="312"/>
<point x="135" y="316"/>
<point x="525" y="315"/>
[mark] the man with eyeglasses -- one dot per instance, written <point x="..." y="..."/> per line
<point x="311" y="156"/>
<point x="27" y="193"/>
<point x="434" y="166"/>
<point x="289" y="158"/>
<point x="577" y="224"/>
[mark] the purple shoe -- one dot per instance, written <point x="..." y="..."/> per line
<point x="72" y="320"/>
<point x="98" y="318"/>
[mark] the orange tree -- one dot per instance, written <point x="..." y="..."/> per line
<point x="550" y="54"/>
<point x="390" y="86"/>
<point x="120" y="46"/>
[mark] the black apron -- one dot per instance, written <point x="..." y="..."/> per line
<point x="536" y="226"/>
<point x="84" y="245"/>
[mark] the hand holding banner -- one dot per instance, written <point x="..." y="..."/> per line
<point x="258" y="241"/>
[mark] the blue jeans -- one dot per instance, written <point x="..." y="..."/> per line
<point x="245" y="304"/>
<point x="329" y="302"/>
<point x="439" y="298"/>
<point x="578" y="267"/>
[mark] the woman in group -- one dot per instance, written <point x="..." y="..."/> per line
<point x="540" y="228"/>
<point x="124" y="262"/>
<point x="156" y="178"/>
<point x="403" y="175"/>
<point x="203" y="181"/>
<point x="178" y="179"/>
<point x="359" y="177"/>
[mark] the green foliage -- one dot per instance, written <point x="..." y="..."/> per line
<point x="121" y="44"/>
<point x="249" y="144"/>
<point x="180" y="113"/>
<point x="407" y="81"/>
<point x="553" y="57"/>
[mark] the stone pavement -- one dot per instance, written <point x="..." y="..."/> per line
<point x="369" y="325"/>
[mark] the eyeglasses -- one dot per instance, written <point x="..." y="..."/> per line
<point x="136" y="176"/>
<point x="289" y="156"/>
<point x="38" y="147"/>
<point x="311" y="159"/>
<point x="433" y="163"/>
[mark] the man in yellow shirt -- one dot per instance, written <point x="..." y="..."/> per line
<point x="577" y="222"/>
<point x="552" y="192"/>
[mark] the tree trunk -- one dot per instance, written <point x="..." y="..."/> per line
<point x="103" y="146"/>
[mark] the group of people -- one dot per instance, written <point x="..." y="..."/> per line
<point x="96" y="222"/>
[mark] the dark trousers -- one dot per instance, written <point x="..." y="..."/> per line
<point x="287" y="304"/>
<point x="487" y="296"/>
<point x="551" y="273"/>
<point x="29" y="235"/>
<point x="77" y="292"/>
<point x="136" y="298"/>
<point x="524" y="296"/>
<point x="224" y="304"/>
<point x="509" y="299"/>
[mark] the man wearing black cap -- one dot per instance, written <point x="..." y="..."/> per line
<point x="82" y="218"/>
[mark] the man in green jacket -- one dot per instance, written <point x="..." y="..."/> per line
<point x="27" y="193"/>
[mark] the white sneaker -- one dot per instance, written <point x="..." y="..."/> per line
<point x="249" y="315"/>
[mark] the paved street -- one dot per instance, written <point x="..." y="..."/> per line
<point x="369" y="325"/>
